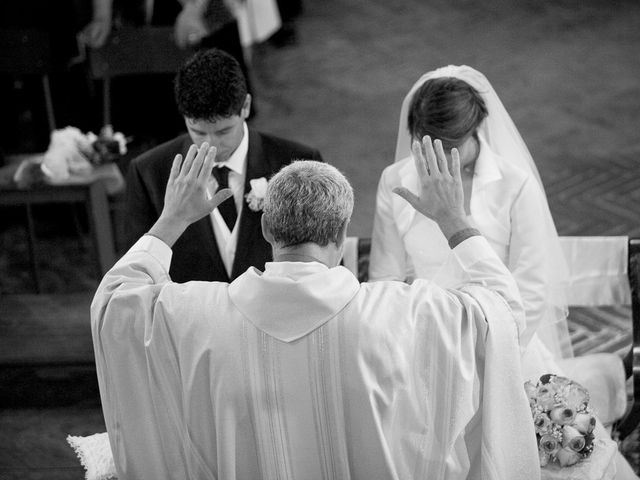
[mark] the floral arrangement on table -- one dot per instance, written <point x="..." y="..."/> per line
<point x="71" y="153"/>
<point x="562" y="419"/>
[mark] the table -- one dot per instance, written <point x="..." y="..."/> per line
<point x="91" y="193"/>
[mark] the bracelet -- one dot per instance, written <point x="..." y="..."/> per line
<point x="459" y="237"/>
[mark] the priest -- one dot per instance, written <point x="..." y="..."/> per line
<point x="300" y="371"/>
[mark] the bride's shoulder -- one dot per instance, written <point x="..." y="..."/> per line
<point x="398" y="170"/>
<point x="511" y="171"/>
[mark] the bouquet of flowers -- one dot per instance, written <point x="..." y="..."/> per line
<point x="563" y="420"/>
<point x="106" y="147"/>
<point x="71" y="153"/>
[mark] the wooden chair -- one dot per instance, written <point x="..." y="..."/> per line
<point x="134" y="51"/>
<point x="27" y="52"/>
<point x="603" y="271"/>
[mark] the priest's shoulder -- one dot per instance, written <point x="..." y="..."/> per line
<point x="418" y="290"/>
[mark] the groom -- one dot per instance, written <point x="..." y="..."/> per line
<point x="301" y="371"/>
<point x="211" y="95"/>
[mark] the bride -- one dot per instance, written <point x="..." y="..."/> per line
<point x="504" y="198"/>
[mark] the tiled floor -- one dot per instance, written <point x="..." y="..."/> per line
<point x="566" y="70"/>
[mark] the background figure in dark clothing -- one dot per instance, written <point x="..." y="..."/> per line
<point x="199" y="24"/>
<point x="23" y="123"/>
<point x="287" y="34"/>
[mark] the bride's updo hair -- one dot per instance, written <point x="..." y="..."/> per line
<point x="446" y="108"/>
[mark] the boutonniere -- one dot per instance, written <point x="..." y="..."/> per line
<point x="255" y="198"/>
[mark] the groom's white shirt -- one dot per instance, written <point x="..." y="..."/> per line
<point x="302" y="372"/>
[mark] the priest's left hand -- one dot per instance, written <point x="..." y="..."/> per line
<point x="186" y="199"/>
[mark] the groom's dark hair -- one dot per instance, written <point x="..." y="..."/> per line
<point x="446" y="108"/>
<point x="209" y="86"/>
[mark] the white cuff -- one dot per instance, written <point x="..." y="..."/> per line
<point x="472" y="250"/>
<point x="154" y="247"/>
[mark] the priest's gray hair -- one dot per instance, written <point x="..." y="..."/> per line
<point x="308" y="202"/>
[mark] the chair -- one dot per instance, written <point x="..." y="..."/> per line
<point x="27" y="51"/>
<point x="603" y="271"/>
<point x="134" y="51"/>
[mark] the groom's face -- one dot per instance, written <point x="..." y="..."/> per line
<point x="224" y="133"/>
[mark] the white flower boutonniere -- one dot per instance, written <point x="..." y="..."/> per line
<point x="255" y="198"/>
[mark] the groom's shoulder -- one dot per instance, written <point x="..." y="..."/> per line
<point x="279" y="145"/>
<point x="161" y="154"/>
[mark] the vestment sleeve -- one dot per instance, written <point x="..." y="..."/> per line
<point x="502" y="423"/>
<point x="484" y="268"/>
<point x="122" y="314"/>
<point x="388" y="260"/>
<point x="473" y="381"/>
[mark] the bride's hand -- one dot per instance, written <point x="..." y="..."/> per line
<point x="440" y="197"/>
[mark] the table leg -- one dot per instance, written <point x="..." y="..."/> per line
<point x="31" y="237"/>
<point x="101" y="226"/>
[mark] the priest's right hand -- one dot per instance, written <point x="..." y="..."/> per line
<point x="440" y="196"/>
<point x="186" y="199"/>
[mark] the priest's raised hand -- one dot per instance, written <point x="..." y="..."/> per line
<point x="187" y="199"/>
<point x="440" y="196"/>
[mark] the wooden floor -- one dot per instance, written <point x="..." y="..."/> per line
<point x="566" y="70"/>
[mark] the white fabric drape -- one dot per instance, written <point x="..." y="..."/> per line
<point x="302" y="372"/>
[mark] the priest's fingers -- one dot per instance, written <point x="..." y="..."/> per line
<point x="409" y="196"/>
<point x="188" y="160"/>
<point x="207" y="166"/>
<point x="432" y="162"/>
<point x="455" y="165"/>
<point x="196" y="166"/>
<point x="219" y="197"/>
<point x="175" y="168"/>
<point x="420" y="161"/>
<point x="441" y="158"/>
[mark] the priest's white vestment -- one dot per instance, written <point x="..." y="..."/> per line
<point x="301" y="372"/>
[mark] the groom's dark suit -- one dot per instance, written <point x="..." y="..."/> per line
<point x="195" y="254"/>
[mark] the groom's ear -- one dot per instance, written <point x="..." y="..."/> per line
<point x="265" y="231"/>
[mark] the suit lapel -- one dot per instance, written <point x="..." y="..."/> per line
<point x="249" y="228"/>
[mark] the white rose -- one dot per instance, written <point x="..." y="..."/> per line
<point x="546" y="397"/>
<point x="572" y="438"/>
<point x="567" y="457"/>
<point x="562" y="415"/>
<point x="259" y="187"/>
<point x="541" y="423"/>
<point x="549" y="444"/>
<point x="584" y="422"/>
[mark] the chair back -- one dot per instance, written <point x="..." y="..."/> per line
<point x="137" y="50"/>
<point x="25" y="51"/>
<point x="598" y="270"/>
<point x="134" y="51"/>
